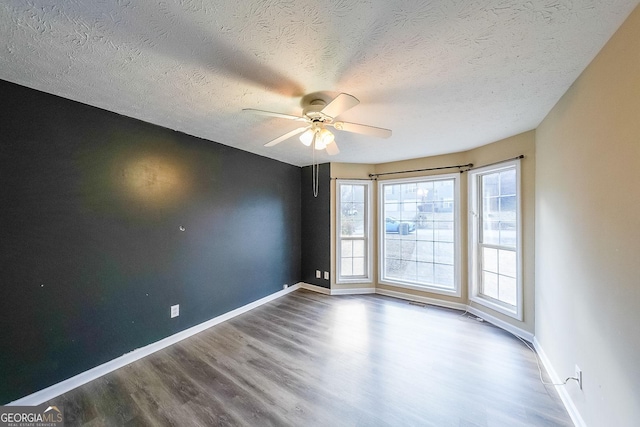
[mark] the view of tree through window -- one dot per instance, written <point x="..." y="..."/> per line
<point x="419" y="232"/>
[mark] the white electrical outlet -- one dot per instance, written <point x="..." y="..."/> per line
<point x="579" y="376"/>
<point x="318" y="274"/>
<point x="326" y="275"/>
<point x="175" y="310"/>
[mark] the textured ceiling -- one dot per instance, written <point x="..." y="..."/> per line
<point x="444" y="75"/>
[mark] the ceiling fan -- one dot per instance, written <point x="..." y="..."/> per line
<point x="317" y="115"/>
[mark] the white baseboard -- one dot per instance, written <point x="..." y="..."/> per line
<point x="501" y="324"/>
<point x="571" y="408"/>
<point x="346" y="291"/>
<point x="353" y="291"/>
<point x="55" y="390"/>
<point x="418" y="298"/>
<point x="315" y="288"/>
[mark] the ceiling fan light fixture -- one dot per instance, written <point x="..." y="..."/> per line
<point x="326" y="136"/>
<point x="323" y="139"/>
<point x="307" y="137"/>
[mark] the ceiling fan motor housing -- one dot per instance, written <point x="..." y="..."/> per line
<point x="313" y="111"/>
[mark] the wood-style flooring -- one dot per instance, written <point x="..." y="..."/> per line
<point x="308" y="359"/>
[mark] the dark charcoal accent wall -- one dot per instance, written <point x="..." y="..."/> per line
<point x="316" y="225"/>
<point x="91" y="251"/>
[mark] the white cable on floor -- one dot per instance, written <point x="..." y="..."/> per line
<point x="538" y="363"/>
<point x="479" y="319"/>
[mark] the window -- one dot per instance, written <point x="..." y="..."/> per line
<point x="353" y="229"/>
<point x="494" y="240"/>
<point x="419" y="233"/>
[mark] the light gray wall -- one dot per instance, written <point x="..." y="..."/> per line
<point x="588" y="233"/>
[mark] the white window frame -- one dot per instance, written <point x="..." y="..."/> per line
<point x="475" y="261"/>
<point x="368" y="276"/>
<point x="456" y="291"/>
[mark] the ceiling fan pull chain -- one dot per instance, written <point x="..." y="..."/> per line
<point x="314" y="167"/>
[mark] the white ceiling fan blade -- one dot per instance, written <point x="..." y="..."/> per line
<point x="340" y="104"/>
<point x="332" y="148"/>
<point x="363" y="129"/>
<point x="272" y="114"/>
<point x="286" y="136"/>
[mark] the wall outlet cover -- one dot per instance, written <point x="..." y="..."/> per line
<point x="326" y="275"/>
<point x="318" y="274"/>
<point x="175" y="310"/>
